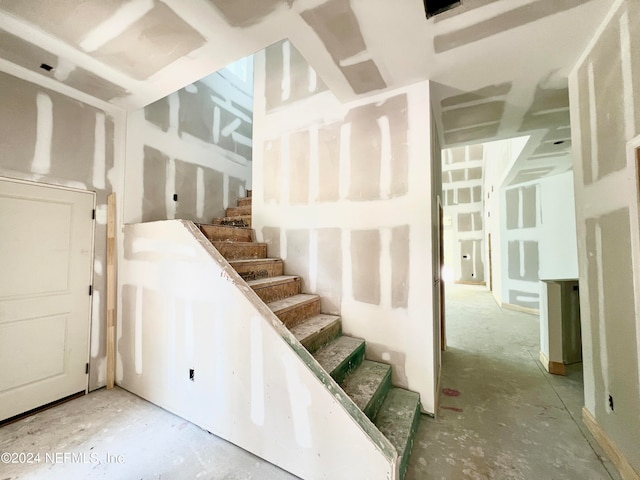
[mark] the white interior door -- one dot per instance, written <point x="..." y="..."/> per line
<point x="46" y="253"/>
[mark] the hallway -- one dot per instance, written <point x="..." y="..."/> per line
<point x="501" y="416"/>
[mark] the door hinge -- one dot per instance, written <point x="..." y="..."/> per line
<point x="90" y="290"/>
<point x="86" y="368"/>
<point x="93" y="214"/>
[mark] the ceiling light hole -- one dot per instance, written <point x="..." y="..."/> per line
<point x="46" y="67"/>
<point x="434" y="7"/>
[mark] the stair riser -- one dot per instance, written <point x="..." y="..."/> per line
<point x="349" y="364"/>
<point x="321" y="338"/>
<point x="376" y="401"/>
<point x="217" y="233"/>
<point x="272" y="293"/>
<point x="243" y="202"/>
<point x="238" y="211"/>
<point x="254" y="272"/>
<point x="293" y="316"/>
<point x="238" y="252"/>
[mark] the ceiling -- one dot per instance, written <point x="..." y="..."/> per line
<point x="499" y="67"/>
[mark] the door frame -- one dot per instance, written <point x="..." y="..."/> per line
<point x="490" y="262"/>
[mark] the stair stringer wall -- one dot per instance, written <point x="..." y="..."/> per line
<point x="182" y="307"/>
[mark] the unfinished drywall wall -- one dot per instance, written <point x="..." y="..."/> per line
<point x="530" y="231"/>
<point x="50" y="138"/>
<point x="538" y="236"/>
<point x="499" y="159"/>
<point x="189" y="154"/>
<point x="463" y="207"/>
<point x="558" y="242"/>
<point x="352" y="183"/>
<point x="605" y="108"/>
<point x="520" y="240"/>
<point x="194" y="339"/>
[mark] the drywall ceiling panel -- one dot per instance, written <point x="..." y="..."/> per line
<point x="157" y="39"/>
<point x="32" y="57"/>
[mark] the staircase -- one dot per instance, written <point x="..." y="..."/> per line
<point x="394" y="411"/>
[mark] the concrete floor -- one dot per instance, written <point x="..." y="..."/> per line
<point x="130" y="438"/>
<point x="501" y="417"/>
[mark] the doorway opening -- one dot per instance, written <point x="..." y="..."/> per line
<point x="508" y="238"/>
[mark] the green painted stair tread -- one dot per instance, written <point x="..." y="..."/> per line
<point x="397" y="419"/>
<point x="318" y="330"/>
<point x="341" y="357"/>
<point x="368" y="385"/>
<point x="270" y="281"/>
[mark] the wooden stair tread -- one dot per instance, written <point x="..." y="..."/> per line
<point x="368" y="385"/>
<point x="225" y="232"/>
<point x="234" y="243"/>
<point x="294" y="301"/>
<point x="277" y="287"/>
<point x="313" y="325"/>
<point x="253" y="268"/>
<point x="241" y="250"/>
<point x="398" y="420"/>
<point x="257" y="261"/>
<point x="244" y="201"/>
<point x="217" y="225"/>
<point x="341" y="356"/>
<point x="238" y="211"/>
<point x="294" y="309"/>
<point x="235" y="218"/>
<point x="270" y="281"/>
<point x="315" y="332"/>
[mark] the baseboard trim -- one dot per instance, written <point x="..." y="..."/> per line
<point x="616" y="456"/>
<point x="555" y="368"/>
<point x="437" y="399"/>
<point x="467" y="282"/>
<point x="518" y="308"/>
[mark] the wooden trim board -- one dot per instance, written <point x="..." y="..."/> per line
<point x="518" y="308"/>
<point x="466" y="282"/>
<point x="615" y="455"/>
<point x="555" y="368"/>
<point x="436" y="405"/>
<point x="111" y="290"/>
